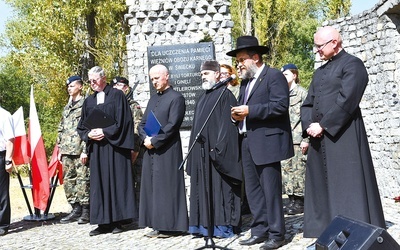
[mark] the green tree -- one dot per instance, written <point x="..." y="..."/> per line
<point x="337" y="8"/>
<point x="14" y="93"/>
<point x="53" y="39"/>
<point x="286" y="27"/>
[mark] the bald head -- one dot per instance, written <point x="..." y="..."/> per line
<point x="159" y="68"/>
<point x="328" y="33"/>
<point x="327" y="42"/>
<point x="159" y="77"/>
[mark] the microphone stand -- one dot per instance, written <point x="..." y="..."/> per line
<point x="209" y="242"/>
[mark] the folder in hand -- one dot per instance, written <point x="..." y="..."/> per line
<point x="152" y="126"/>
<point x="98" y="119"/>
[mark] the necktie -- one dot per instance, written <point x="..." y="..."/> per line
<point x="246" y="96"/>
<point x="246" y="92"/>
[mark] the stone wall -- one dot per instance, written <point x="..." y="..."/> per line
<point x="156" y="23"/>
<point x="374" y="37"/>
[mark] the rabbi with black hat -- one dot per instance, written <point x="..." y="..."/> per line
<point x="221" y="162"/>
<point x="264" y="127"/>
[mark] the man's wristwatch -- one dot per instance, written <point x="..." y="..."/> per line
<point x="8" y="162"/>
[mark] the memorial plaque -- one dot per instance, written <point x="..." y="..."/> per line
<point x="183" y="62"/>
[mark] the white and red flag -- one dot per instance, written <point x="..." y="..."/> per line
<point x="55" y="165"/>
<point x="20" y="155"/>
<point x="39" y="168"/>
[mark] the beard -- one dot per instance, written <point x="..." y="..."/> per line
<point x="250" y="71"/>
<point x="207" y="85"/>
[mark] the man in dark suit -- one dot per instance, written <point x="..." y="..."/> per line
<point x="263" y="120"/>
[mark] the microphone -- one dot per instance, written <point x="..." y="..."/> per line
<point x="224" y="82"/>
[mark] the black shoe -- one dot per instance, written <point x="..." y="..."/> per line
<point x="272" y="244"/>
<point x="289" y="204"/>
<point x="253" y="240"/>
<point x="74" y="215"/>
<point x="297" y="207"/>
<point x="295" y="210"/>
<point x="118" y="229"/>
<point x="101" y="229"/>
<point x="3" y="231"/>
<point x="85" y="216"/>
<point x="83" y="220"/>
<point x="168" y="234"/>
<point x="152" y="234"/>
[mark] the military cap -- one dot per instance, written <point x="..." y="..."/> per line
<point x="73" y="79"/>
<point x="288" y="66"/>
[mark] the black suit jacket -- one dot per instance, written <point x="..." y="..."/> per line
<point x="268" y="124"/>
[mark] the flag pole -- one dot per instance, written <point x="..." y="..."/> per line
<point x="54" y="182"/>
<point x="28" y="204"/>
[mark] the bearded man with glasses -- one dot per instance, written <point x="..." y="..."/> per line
<point x="266" y="139"/>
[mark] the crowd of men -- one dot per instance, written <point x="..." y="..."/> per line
<point x="254" y="142"/>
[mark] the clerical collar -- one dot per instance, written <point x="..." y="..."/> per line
<point x="165" y="91"/>
<point x="338" y="55"/>
<point x="100" y="97"/>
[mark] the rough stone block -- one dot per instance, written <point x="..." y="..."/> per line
<point x="187" y="12"/>
<point x="200" y="11"/>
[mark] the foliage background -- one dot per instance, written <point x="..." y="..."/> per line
<point x="50" y="40"/>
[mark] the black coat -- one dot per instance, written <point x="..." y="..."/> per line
<point x="268" y="141"/>
<point x="268" y="123"/>
<point x="112" y="196"/>
<point x="221" y="146"/>
<point x="162" y="191"/>
<point x="340" y="176"/>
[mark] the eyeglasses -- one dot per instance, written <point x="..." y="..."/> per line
<point x="241" y="60"/>
<point x="224" y="73"/>
<point x="94" y="80"/>
<point x="321" y="46"/>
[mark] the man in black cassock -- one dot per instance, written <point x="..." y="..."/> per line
<point x="162" y="191"/>
<point x="112" y="197"/>
<point x="340" y="176"/>
<point x="221" y="160"/>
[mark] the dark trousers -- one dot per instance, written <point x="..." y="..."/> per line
<point x="5" y="207"/>
<point x="264" y="194"/>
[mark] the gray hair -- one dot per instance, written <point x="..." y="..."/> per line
<point x="97" y="70"/>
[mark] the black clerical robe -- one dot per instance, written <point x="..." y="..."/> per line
<point x="340" y="176"/>
<point x="112" y="196"/>
<point x="221" y="161"/>
<point x="162" y="192"/>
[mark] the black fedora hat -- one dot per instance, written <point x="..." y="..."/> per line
<point x="248" y="43"/>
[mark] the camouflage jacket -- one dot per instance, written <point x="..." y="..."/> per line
<point x="68" y="139"/>
<point x="297" y="96"/>
<point x="137" y="115"/>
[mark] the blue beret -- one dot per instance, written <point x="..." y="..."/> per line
<point x="288" y="66"/>
<point x="73" y="79"/>
<point x="121" y="80"/>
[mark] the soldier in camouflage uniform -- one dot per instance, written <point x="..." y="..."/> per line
<point x="122" y="83"/>
<point x="294" y="169"/>
<point x="73" y="155"/>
